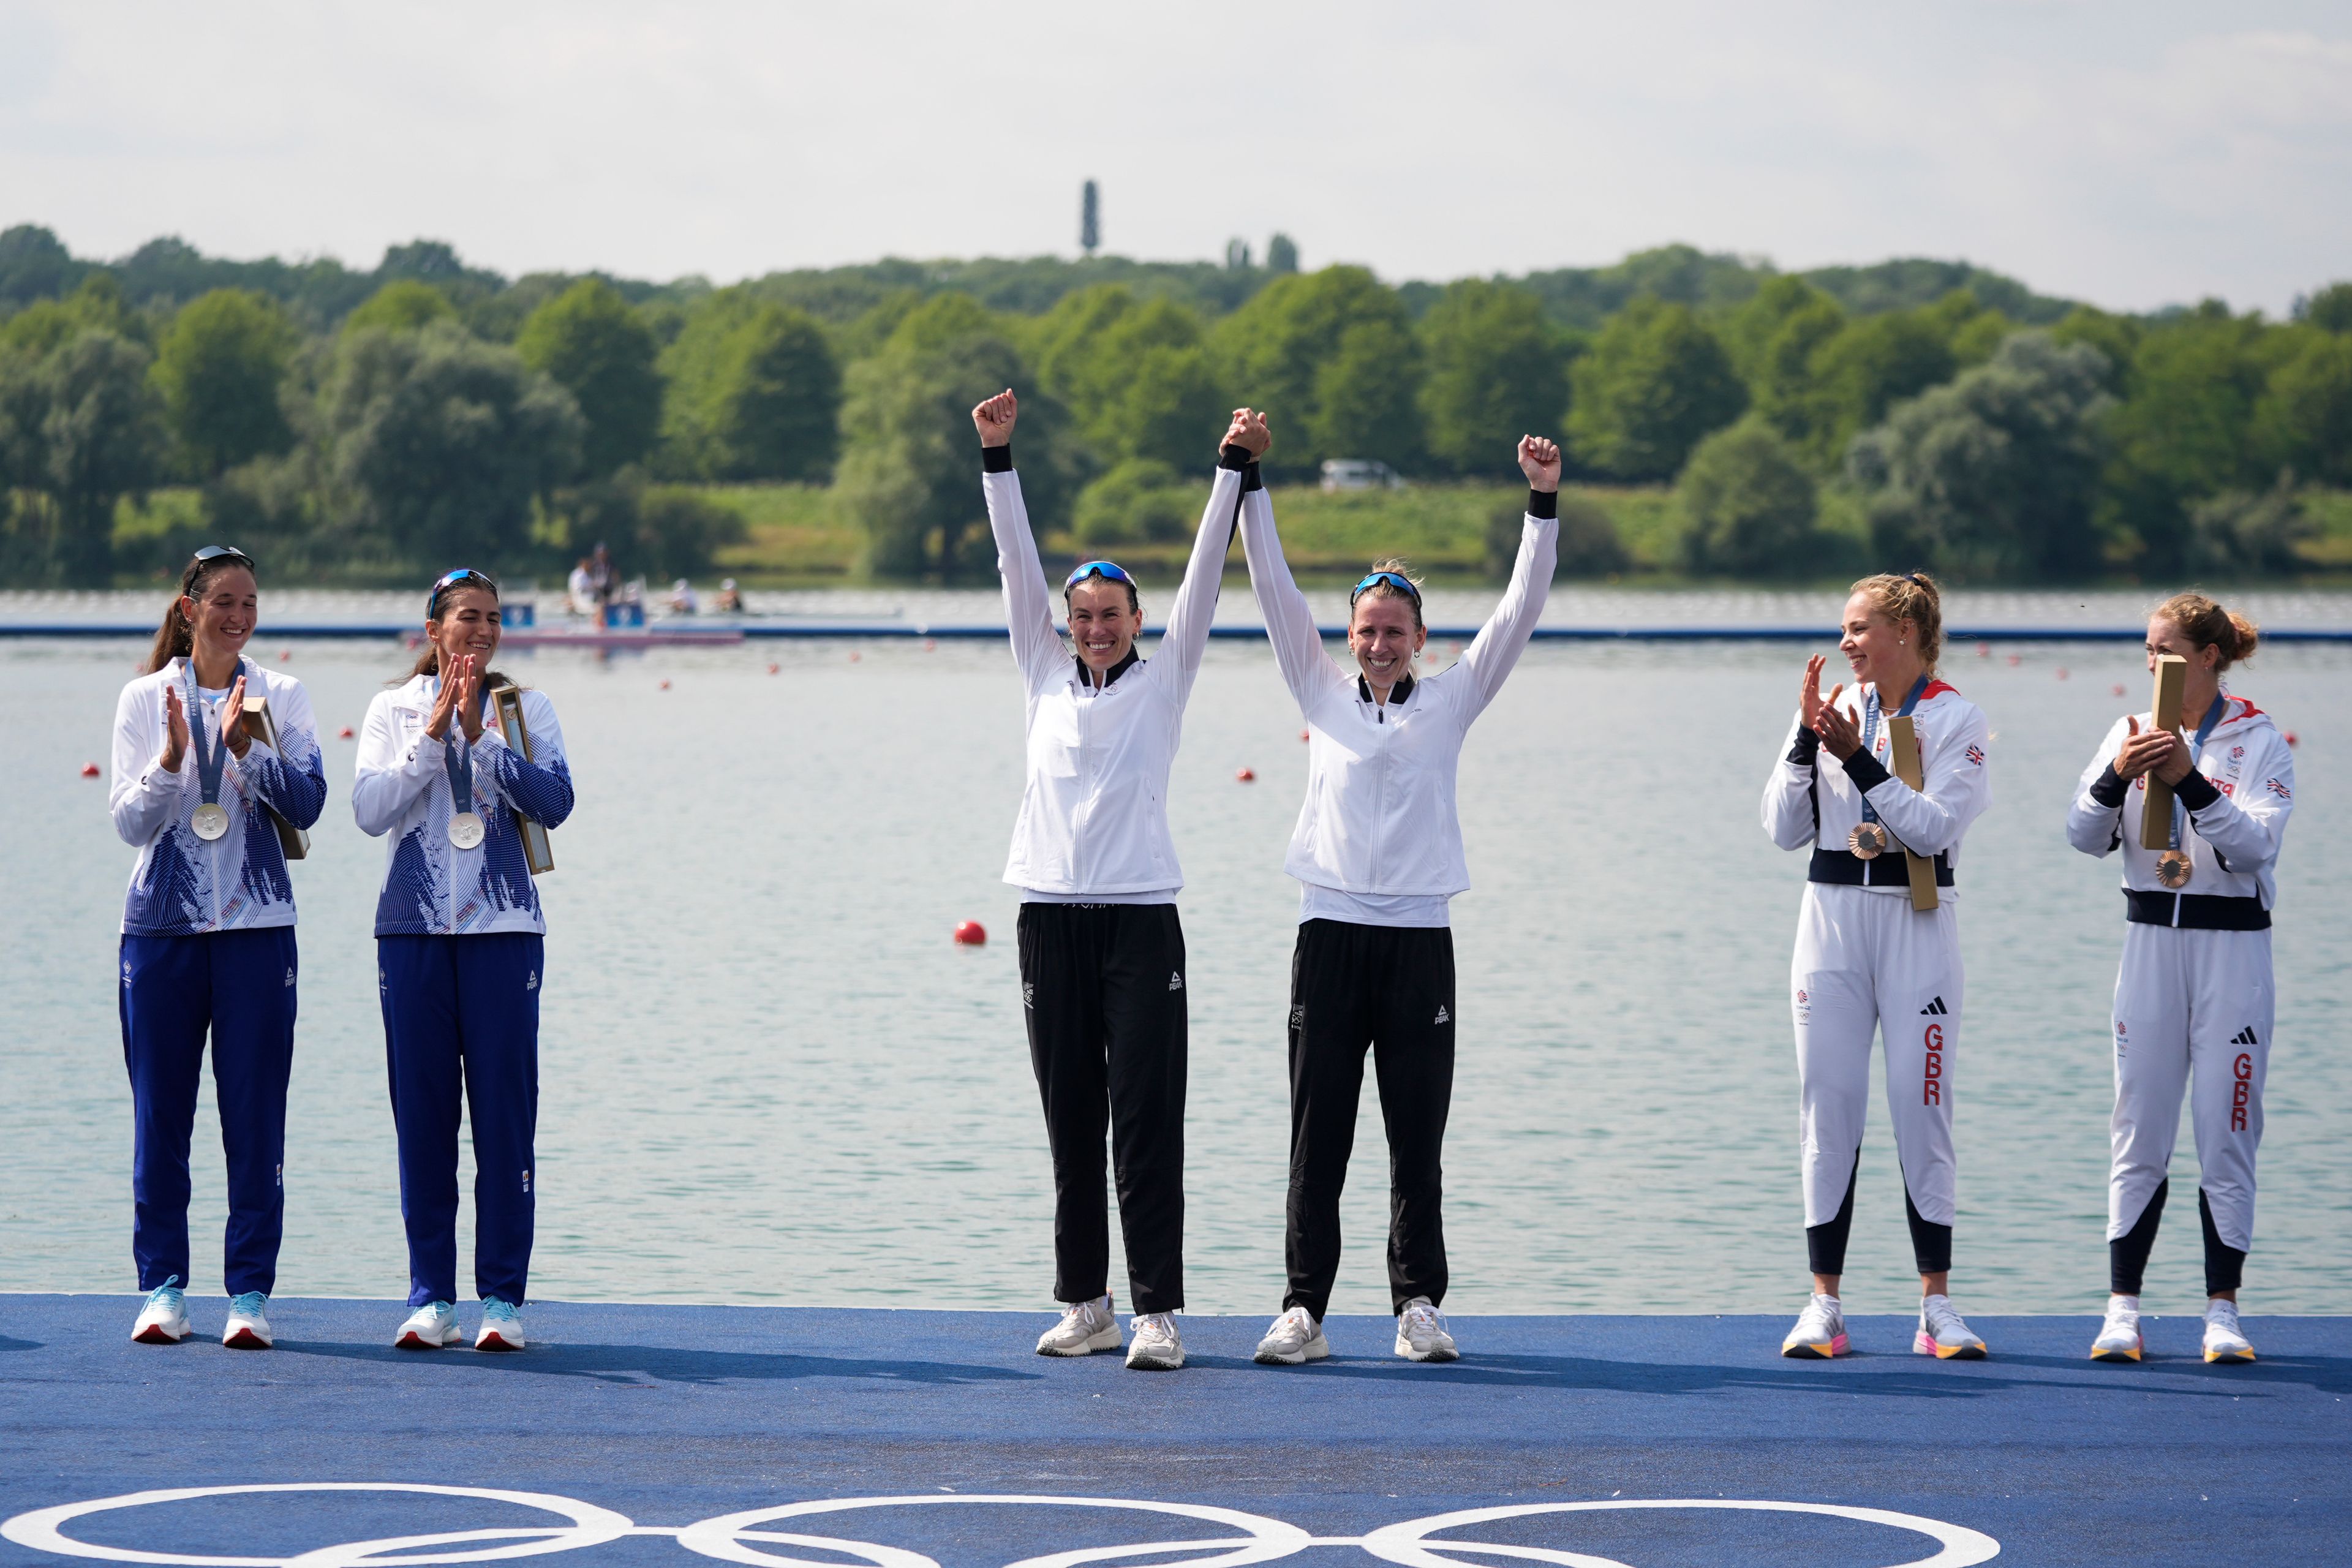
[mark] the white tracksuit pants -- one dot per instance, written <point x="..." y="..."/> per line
<point x="2193" y="1010"/>
<point x="1867" y="962"/>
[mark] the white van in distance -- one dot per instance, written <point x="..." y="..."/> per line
<point x="1359" y="474"/>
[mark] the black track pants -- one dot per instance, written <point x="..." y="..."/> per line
<point x="1390" y="990"/>
<point x="1103" y="987"/>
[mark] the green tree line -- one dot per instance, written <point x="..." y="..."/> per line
<point x="360" y="425"/>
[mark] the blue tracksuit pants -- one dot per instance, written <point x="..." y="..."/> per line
<point x="238" y="987"/>
<point x="461" y="1025"/>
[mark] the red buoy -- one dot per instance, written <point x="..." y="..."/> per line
<point x="2116" y="690"/>
<point x="664" y="686"/>
<point x="855" y="655"/>
<point x="2061" y="672"/>
<point x="930" y="643"/>
<point x="1302" y="734"/>
<point x="971" y="933"/>
<point x="1984" y="650"/>
<point x="284" y="655"/>
<point x="1245" y="776"/>
<point x="774" y="668"/>
<point x="346" y="733"/>
<point x="2291" y="738"/>
<point x="2015" y="660"/>
<point x="89" y="770"/>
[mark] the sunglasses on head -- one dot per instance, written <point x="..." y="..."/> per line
<point x="464" y="576"/>
<point x="1086" y="569"/>
<point x="1398" y="581"/>
<point x="212" y="553"/>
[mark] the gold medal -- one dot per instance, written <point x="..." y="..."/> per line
<point x="465" y="829"/>
<point x="2173" y="869"/>
<point x="1868" y="840"/>
<point x="210" y="822"/>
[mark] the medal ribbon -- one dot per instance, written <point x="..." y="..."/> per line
<point x="1870" y="729"/>
<point x="208" y="763"/>
<point x="457" y="757"/>
<point x="2196" y="755"/>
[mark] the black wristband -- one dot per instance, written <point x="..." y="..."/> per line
<point x="1865" y="771"/>
<point x="1542" y="503"/>
<point x="996" y="459"/>
<point x="2196" y="791"/>
<point x="1238" y="459"/>
<point x="1805" y="748"/>
<point x="2110" y="789"/>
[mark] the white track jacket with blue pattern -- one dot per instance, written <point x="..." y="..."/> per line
<point x="432" y="888"/>
<point x="183" y="885"/>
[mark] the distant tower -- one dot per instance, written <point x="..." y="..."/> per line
<point x="1090" y="219"/>
<point x="1237" y="254"/>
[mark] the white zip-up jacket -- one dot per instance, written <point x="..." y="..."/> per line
<point x="2235" y="821"/>
<point x="432" y="888"/>
<point x="1094" y="806"/>
<point x="183" y="885"/>
<point x="1380" y="818"/>
<point x="1811" y="800"/>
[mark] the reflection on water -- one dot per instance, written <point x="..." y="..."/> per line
<point x="769" y="1074"/>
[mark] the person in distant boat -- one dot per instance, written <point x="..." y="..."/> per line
<point x="207" y="943"/>
<point x="460" y="953"/>
<point x="1378" y="855"/>
<point x="1102" y="952"/>
<point x="731" y="597"/>
<point x="1866" y="961"/>
<point x="682" y="599"/>
<point x="580" y="590"/>
<point x="2194" y="998"/>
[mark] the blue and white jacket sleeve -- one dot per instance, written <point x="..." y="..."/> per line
<point x="291" y="781"/>
<point x="389" y="775"/>
<point x="142" y="796"/>
<point x="541" y="789"/>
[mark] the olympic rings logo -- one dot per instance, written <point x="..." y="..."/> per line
<point x="745" y="1538"/>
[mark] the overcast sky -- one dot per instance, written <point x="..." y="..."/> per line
<point x="2136" y="154"/>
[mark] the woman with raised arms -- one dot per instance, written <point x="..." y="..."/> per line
<point x="1377" y="856"/>
<point x="460" y="953"/>
<point x="1866" y="961"/>
<point x="2194" y="997"/>
<point x="1102" y="952"/>
<point x="208" y="935"/>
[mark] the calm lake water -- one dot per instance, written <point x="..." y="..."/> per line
<point x="769" y="1075"/>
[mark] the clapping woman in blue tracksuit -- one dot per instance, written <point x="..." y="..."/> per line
<point x="460" y="953"/>
<point x="208" y="934"/>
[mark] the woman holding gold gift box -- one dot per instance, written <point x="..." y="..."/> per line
<point x="208" y="932"/>
<point x="1874" y="955"/>
<point x="460" y="953"/>
<point x="1102" y="952"/>
<point x="2193" y="997"/>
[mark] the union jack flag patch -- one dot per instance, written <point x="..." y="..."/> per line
<point x="2279" y="789"/>
<point x="1975" y="756"/>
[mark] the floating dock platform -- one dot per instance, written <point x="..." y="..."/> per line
<point x="660" y="1436"/>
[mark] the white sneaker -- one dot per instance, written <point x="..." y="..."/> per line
<point x="1819" y="1332"/>
<point x="1155" y="1346"/>
<point x="163" y="1320"/>
<point x="249" y="1323"/>
<point x="1421" y="1334"/>
<point x="430" y="1327"/>
<point x="2119" y="1338"/>
<point x="1086" y="1327"/>
<point x="1943" y="1334"/>
<point x="2223" y="1339"/>
<point x="1295" y="1337"/>
<point x="502" y="1327"/>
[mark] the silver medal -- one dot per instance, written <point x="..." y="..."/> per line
<point x="465" y="829"/>
<point x="210" y="822"/>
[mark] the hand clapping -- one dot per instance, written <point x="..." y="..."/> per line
<point x="459" y="682"/>
<point x="1822" y="714"/>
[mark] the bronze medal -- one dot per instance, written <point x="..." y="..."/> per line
<point x="1868" y="840"/>
<point x="2173" y="869"/>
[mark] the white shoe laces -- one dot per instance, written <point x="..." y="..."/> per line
<point x="2222" y="1315"/>
<point x="1159" y="1325"/>
<point x="1420" y="1315"/>
<point x="1819" y="1320"/>
<point x="1943" y="1318"/>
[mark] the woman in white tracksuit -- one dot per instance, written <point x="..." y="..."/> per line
<point x="1378" y="855"/>
<point x="1102" y="952"/>
<point x="2194" y="997"/>
<point x="1866" y="961"/>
